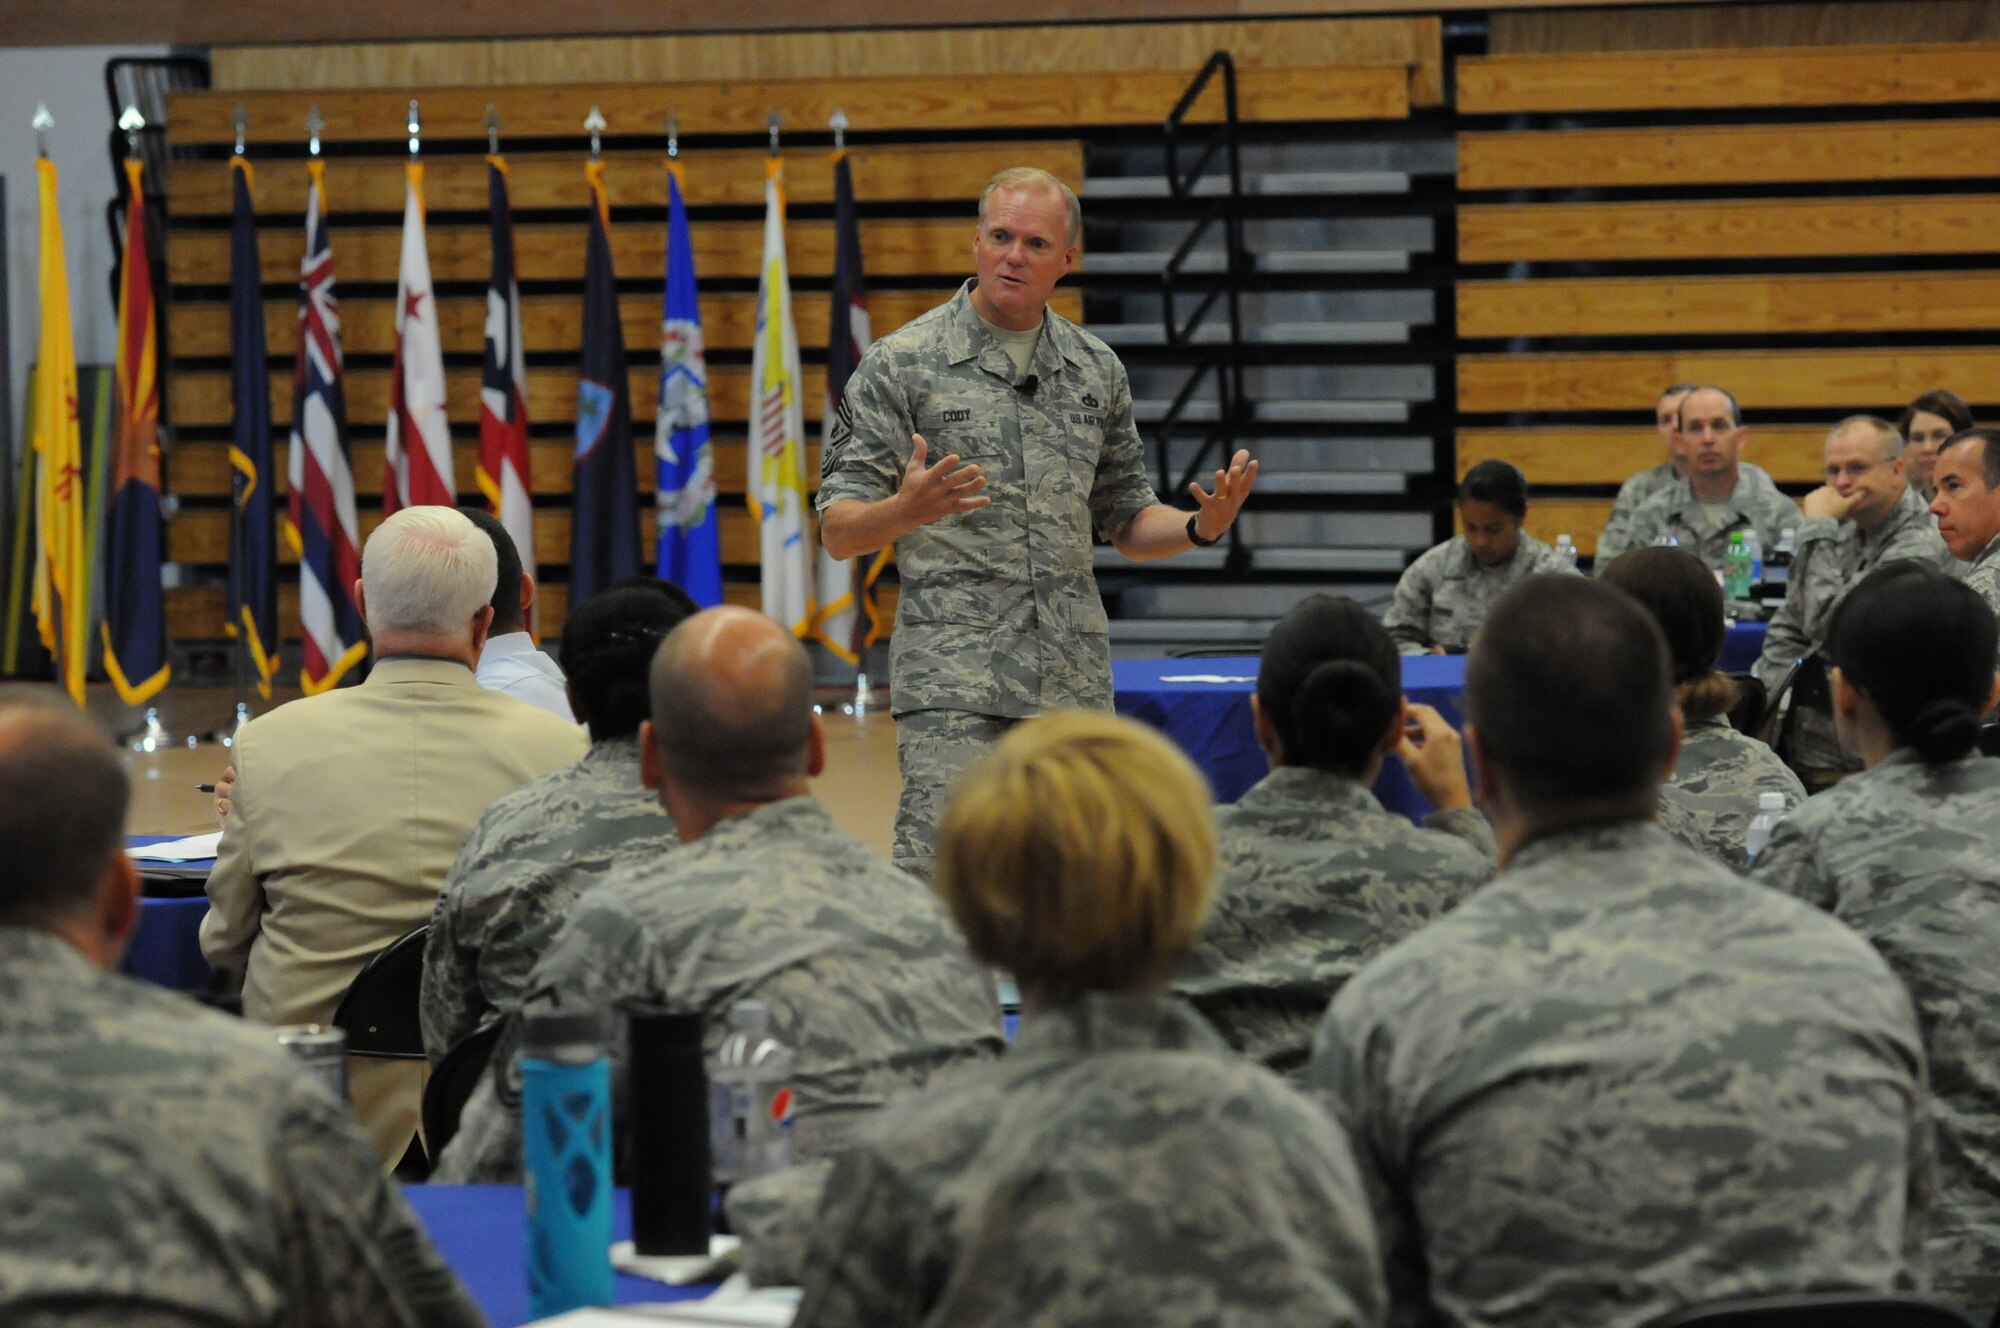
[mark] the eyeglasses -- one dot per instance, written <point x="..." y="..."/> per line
<point x="1853" y="470"/>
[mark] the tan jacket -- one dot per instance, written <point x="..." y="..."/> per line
<point x="348" y="810"/>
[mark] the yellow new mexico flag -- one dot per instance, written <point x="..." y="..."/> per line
<point x="62" y="571"/>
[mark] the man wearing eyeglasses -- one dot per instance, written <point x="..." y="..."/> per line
<point x="1866" y="514"/>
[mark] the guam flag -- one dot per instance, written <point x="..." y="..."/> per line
<point x="135" y="635"/>
<point x="253" y="546"/>
<point x="604" y="525"/>
<point x="320" y="523"/>
<point x="690" y="553"/>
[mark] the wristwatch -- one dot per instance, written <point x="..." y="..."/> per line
<point x="1195" y="535"/>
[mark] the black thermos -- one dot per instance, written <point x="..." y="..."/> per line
<point x="669" y="1171"/>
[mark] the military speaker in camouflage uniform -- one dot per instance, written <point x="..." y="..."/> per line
<point x="1720" y="773"/>
<point x="766" y="900"/>
<point x="1714" y="498"/>
<point x="1865" y="515"/>
<point x="1904" y="854"/>
<point x="1619" y="1080"/>
<point x="1617" y="532"/>
<point x="987" y="440"/>
<point x="160" y="1164"/>
<point x="1443" y="596"/>
<point x="1120" y="1165"/>
<point x="541" y="846"/>
<point x="1967" y="507"/>
<point x="1316" y="877"/>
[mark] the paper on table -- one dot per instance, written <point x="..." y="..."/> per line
<point x="733" y="1303"/>
<point x="678" y="1269"/>
<point x="1208" y="677"/>
<point x="178" y="850"/>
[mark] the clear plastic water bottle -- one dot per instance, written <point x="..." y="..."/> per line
<point x="1566" y="551"/>
<point x="1736" y="568"/>
<point x="1780" y="569"/>
<point x="1770" y="811"/>
<point x="1755" y="545"/>
<point x="751" y="1083"/>
<point x="566" y="1142"/>
<point x="1666" y="541"/>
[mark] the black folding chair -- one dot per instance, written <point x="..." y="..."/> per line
<point x="1989" y="738"/>
<point x="1833" y="1309"/>
<point x="1752" y="699"/>
<point x="1806" y="686"/>
<point x="379" y="1010"/>
<point x="452" y="1080"/>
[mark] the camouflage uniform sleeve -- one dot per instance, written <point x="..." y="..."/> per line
<point x="1467" y="824"/>
<point x="774" y="1215"/>
<point x="1617" y="533"/>
<point x="1787" y="637"/>
<point x="869" y="443"/>
<point x="354" y="1254"/>
<point x="863" y="1263"/>
<point x="1120" y="490"/>
<point x="445" y="1003"/>
<point x="1790" y="862"/>
<point x="1408" y="619"/>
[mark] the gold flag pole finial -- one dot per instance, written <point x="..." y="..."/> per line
<point x="673" y="136"/>
<point x="315" y="122"/>
<point x="416" y="128"/>
<point x="594" y="122"/>
<point x="774" y="122"/>
<point x="839" y="123"/>
<point x="241" y="120"/>
<point x="492" y="131"/>
<point x="132" y="122"/>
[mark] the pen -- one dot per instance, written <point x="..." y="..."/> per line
<point x="204" y="788"/>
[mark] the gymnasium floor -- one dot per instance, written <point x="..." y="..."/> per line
<point x="859" y="786"/>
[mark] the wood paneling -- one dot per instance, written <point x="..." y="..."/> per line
<point x="884" y="52"/>
<point x="555" y="252"/>
<point x="1760" y="228"/>
<point x="1007" y="103"/>
<point x="1734" y="154"/>
<point x="201" y="396"/>
<point x="1834" y="381"/>
<point x="1704" y="79"/>
<point x="905" y="173"/>
<point x="1681" y="26"/>
<point x="1579" y="518"/>
<point x="1574" y="455"/>
<point x="1681" y="306"/>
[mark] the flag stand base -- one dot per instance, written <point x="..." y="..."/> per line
<point x="226" y="735"/>
<point x="153" y="736"/>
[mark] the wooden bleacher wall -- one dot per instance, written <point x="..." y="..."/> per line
<point x="922" y="148"/>
<point x="1815" y="229"/>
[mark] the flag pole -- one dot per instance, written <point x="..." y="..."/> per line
<point x="858" y="707"/>
<point x="226" y="735"/>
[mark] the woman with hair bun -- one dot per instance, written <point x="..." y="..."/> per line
<point x="1720" y="772"/>
<point x="1315" y="876"/>
<point x="1904" y="853"/>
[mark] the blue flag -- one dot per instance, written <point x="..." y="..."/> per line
<point x="690" y="553"/>
<point x="604" y="523"/>
<point x="253" y="543"/>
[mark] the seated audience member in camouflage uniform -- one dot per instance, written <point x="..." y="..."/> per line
<point x="541" y="846"/>
<point x="1967" y="507"/>
<point x="1720" y="773"/>
<point x="1636" y="490"/>
<point x="161" y="1164"/>
<point x="1865" y="515"/>
<point x="1120" y="1165"/>
<point x="1316" y="877"/>
<point x="1716" y="495"/>
<point x="1619" y="1079"/>
<point x="1925" y="424"/>
<point x="767" y="899"/>
<point x="1904" y="854"/>
<point x="1444" y="595"/>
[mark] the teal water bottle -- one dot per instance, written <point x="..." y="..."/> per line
<point x="566" y="1139"/>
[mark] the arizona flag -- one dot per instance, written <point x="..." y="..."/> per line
<point x="604" y="523"/>
<point x="777" y="488"/>
<point x="418" y="471"/>
<point x="503" y="385"/>
<point x="690" y="553"/>
<point x="842" y="625"/>
<point x="320" y="524"/>
<point x="253" y="549"/>
<point x="135" y="634"/>
<point x="62" y="568"/>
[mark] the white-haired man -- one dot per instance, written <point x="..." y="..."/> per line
<point x="348" y="807"/>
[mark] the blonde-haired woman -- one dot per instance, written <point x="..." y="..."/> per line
<point x="1120" y="1165"/>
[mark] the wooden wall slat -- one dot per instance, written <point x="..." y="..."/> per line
<point x="555" y="252"/>
<point x="1775" y="228"/>
<point x="201" y="396"/>
<point x="1577" y="455"/>
<point x="1579" y="518"/>
<point x="1733" y="154"/>
<point x="1649" y="306"/>
<point x="1835" y="381"/>
<point x="1008" y="102"/>
<point x="1686" y="80"/>
<point x="903" y="172"/>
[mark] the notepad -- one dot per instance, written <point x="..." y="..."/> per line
<point x="190" y="849"/>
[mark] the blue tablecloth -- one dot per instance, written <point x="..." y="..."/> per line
<point x="1203" y="704"/>
<point x="166" y="945"/>
<point x="482" y="1231"/>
